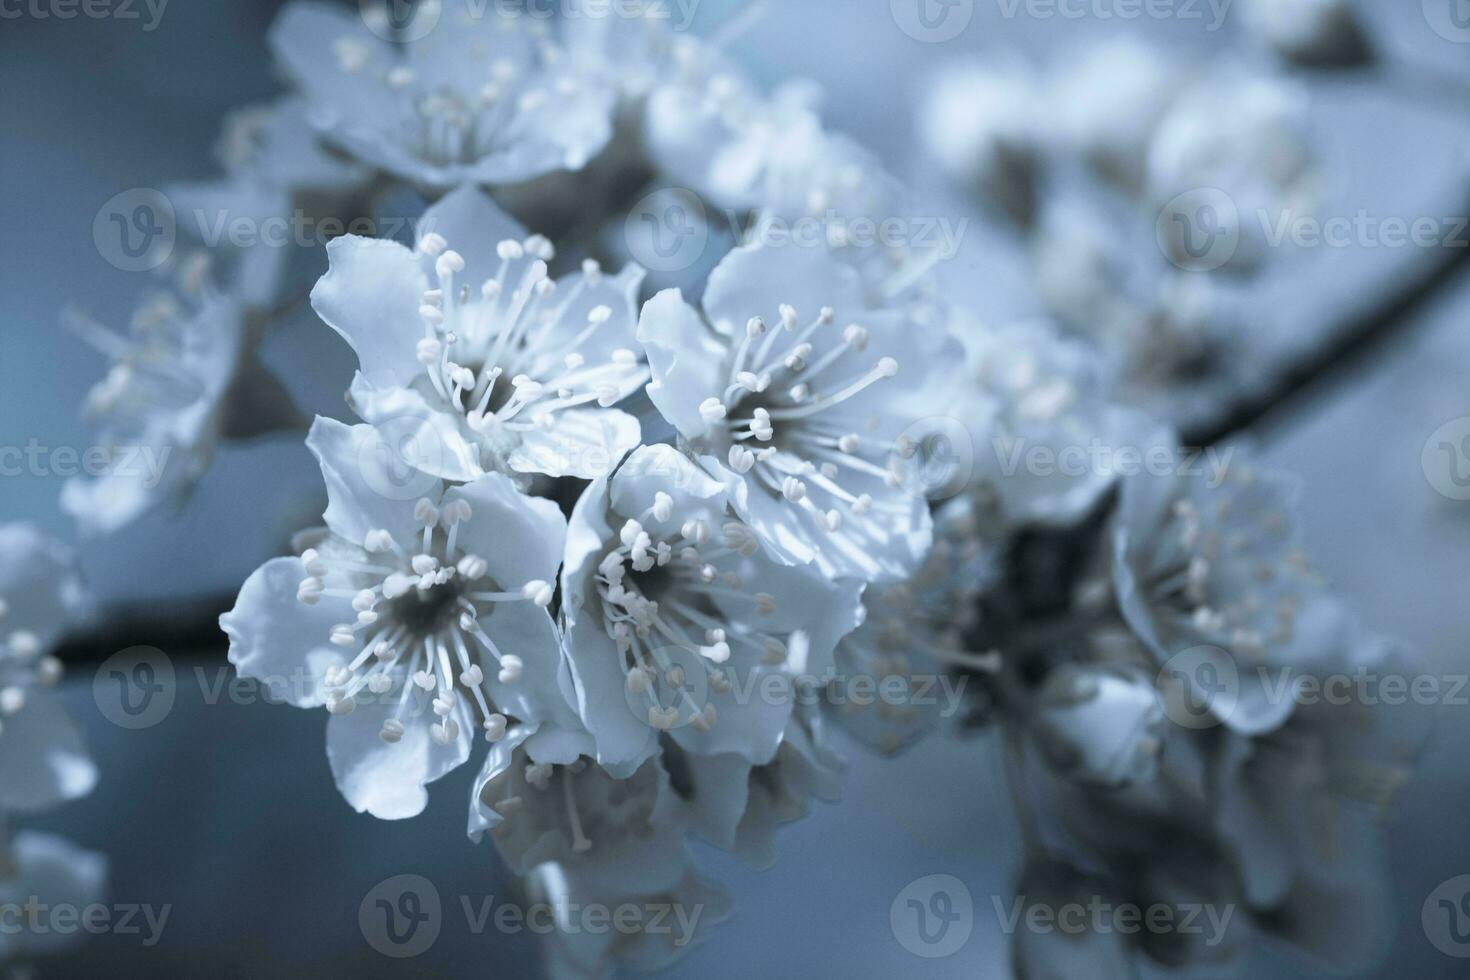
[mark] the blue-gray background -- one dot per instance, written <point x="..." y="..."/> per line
<point x="226" y="811"/>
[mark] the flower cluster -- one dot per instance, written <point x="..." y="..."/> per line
<point x="1126" y="173"/>
<point x="43" y="762"/>
<point x="647" y="537"/>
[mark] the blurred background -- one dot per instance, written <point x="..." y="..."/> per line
<point x="225" y="812"/>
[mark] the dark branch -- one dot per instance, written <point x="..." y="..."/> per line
<point x="1353" y="344"/>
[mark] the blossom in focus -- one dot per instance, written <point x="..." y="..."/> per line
<point x="677" y="621"/>
<point x="485" y="96"/>
<point x="42" y="759"/>
<point x="418" y="618"/>
<point x="475" y="358"/>
<point x="799" y="399"/>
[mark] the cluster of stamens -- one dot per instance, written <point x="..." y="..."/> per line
<point x="779" y="386"/>
<point x="490" y="357"/>
<point x="22" y="667"/>
<point x="678" y="607"/>
<point x="418" y="622"/>
<point x="149" y="368"/>
<point x="445" y="124"/>
<point x="1258" y="619"/>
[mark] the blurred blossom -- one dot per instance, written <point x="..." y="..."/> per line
<point x="1099" y="725"/>
<point x="1219" y="571"/>
<point x="480" y="97"/>
<point x="914" y="634"/>
<point x="1244" y="137"/>
<point x="42" y="759"/>
<point x="43" y="871"/>
<point x="1107" y="101"/>
<point x="183" y="378"/>
<point x="982" y="125"/>
<point x="1036" y="398"/>
<point x="1312" y="33"/>
<point x="277" y="176"/>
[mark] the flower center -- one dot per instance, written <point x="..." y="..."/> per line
<point x="671" y="595"/>
<point x="21" y="667"/>
<point x="505" y="360"/>
<point x="419" y="609"/>
<point x="781" y="420"/>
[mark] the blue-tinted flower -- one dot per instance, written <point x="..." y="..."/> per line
<point x="482" y="97"/>
<point x="665" y="923"/>
<point x="1109" y="100"/>
<point x="982" y="126"/>
<point x="1239" y="134"/>
<point x="1038" y="407"/>
<point x="1216" y="572"/>
<point x="277" y="173"/>
<point x="913" y="637"/>
<point x="711" y="130"/>
<point x="178" y="382"/>
<point x="41" y="874"/>
<point x="582" y="836"/>
<point x="42" y="759"/>
<point x="677" y="621"/>
<point x="475" y="358"/>
<point x="1099" y="724"/>
<point x="799" y="399"/>
<point x="418" y="617"/>
<point x="1302" y="808"/>
<point x="1312" y="33"/>
<point x="738" y="807"/>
